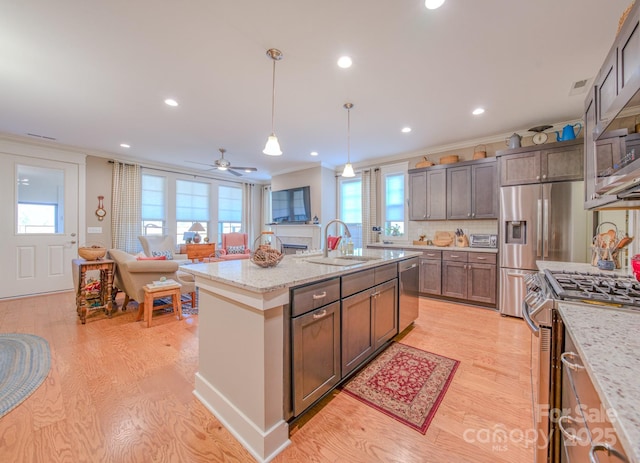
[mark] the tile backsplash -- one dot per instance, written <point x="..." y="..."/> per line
<point x="429" y="228"/>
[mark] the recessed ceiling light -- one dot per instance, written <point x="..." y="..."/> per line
<point x="477" y="111"/>
<point x="433" y="4"/>
<point x="406" y="129"/>
<point x="124" y="145"/>
<point x="171" y="102"/>
<point x="314" y="153"/>
<point x="345" y="62"/>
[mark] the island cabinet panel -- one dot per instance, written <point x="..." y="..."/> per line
<point x="316" y="355"/>
<point x="313" y="296"/>
<point x="384" y="310"/>
<point x="369" y="317"/>
<point x="357" y="335"/>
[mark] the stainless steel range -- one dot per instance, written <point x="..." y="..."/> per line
<point x="544" y="291"/>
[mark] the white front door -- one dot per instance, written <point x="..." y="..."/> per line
<point x="38" y="224"/>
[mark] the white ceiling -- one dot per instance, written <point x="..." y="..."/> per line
<point x="94" y="74"/>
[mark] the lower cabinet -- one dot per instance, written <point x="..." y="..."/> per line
<point x="369" y="319"/>
<point x="431" y="272"/>
<point x="469" y="275"/>
<point x="316" y="355"/>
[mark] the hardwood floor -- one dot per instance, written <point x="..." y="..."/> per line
<point x="120" y="392"/>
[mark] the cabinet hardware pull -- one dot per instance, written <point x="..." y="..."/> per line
<point x="413" y="266"/>
<point x="481" y="258"/>
<point x="537" y="177"/>
<point x="453" y="256"/>
<point x="320" y="314"/>
<point x="566" y="358"/>
<point x="320" y="296"/>
<point x="566" y="433"/>
<point x="376" y="294"/>
<point x="431" y="255"/>
<point x="596" y="447"/>
<point x="544" y="176"/>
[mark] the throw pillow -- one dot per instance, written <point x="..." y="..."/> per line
<point x="235" y="249"/>
<point x="168" y="253"/>
<point x="152" y="258"/>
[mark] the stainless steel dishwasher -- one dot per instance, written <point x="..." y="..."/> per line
<point x="409" y="276"/>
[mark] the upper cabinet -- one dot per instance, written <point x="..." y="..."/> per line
<point x="556" y="162"/>
<point x="472" y="191"/>
<point x="612" y="110"/>
<point x="465" y="190"/>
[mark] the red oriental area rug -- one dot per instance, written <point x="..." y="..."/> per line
<point x="405" y="383"/>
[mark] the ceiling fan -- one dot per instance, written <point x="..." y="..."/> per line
<point x="224" y="164"/>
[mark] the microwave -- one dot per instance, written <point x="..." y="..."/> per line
<point x="483" y="241"/>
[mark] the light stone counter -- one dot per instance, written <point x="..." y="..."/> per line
<point x="420" y="247"/>
<point x="608" y="341"/>
<point x="580" y="267"/>
<point x="241" y="325"/>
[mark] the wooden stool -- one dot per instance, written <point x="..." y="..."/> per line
<point x="152" y="293"/>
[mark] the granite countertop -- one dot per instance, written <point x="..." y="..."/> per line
<point x="608" y="342"/>
<point x="580" y="267"/>
<point x="291" y="271"/>
<point x="420" y="247"/>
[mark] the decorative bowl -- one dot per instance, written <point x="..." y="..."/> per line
<point x="92" y="252"/>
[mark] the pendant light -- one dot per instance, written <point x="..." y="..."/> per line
<point x="348" y="168"/>
<point x="272" y="148"/>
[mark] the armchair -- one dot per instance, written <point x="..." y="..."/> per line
<point x="234" y="246"/>
<point x="132" y="274"/>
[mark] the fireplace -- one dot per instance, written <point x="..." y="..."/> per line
<point x="290" y="248"/>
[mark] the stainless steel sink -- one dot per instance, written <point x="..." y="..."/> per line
<point x="342" y="260"/>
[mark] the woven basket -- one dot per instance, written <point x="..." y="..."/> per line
<point x="92" y="252"/>
<point x="267" y="250"/>
<point x="450" y="159"/>
<point x="480" y="152"/>
<point x="623" y="18"/>
<point x="425" y="163"/>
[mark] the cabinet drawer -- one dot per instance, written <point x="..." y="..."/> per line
<point x="454" y="256"/>
<point x="482" y="257"/>
<point x="385" y="273"/>
<point x="356" y="282"/>
<point x="313" y="296"/>
<point x="431" y="254"/>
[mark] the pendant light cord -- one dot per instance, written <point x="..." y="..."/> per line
<point x="349" y="135"/>
<point x="273" y="98"/>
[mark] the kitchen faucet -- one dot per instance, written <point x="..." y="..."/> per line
<point x="326" y="237"/>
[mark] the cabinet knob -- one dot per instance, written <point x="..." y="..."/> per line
<point x="537" y="177"/>
<point x="473" y="215"/>
<point x="428" y="215"/>
<point x="544" y="176"/>
<point x="469" y="214"/>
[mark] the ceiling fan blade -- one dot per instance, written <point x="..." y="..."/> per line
<point x="237" y="174"/>
<point x="246" y="169"/>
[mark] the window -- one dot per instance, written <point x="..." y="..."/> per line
<point x="37" y="218"/>
<point x="351" y="208"/>
<point x="40" y="200"/>
<point x="229" y="209"/>
<point x="192" y="205"/>
<point x="153" y="204"/>
<point x="393" y="200"/>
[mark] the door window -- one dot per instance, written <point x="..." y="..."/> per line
<point x="40" y="200"/>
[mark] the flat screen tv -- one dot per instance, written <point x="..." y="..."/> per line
<point x="291" y="206"/>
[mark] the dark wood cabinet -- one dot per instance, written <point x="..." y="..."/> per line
<point x="418" y="196"/>
<point x="472" y="192"/>
<point x="316" y="355"/>
<point x="369" y="317"/>
<point x="437" y="194"/>
<point x="466" y="190"/>
<point x="561" y="161"/>
<point x="470" y="276"/>
<point x="431" y="272"/>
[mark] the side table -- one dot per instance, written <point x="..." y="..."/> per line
<point x="151" y="293"/>
<point x="106" y="267"/>
<point x="197" y="252"/>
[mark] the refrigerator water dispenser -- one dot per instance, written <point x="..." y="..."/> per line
<point x="516" y="232"/>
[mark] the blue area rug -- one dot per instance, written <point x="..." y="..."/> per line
<point x="25" y="360"/>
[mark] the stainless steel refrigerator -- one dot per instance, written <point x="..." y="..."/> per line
<point x="544" y="221"/>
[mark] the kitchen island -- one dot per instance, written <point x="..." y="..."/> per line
<point x="607" y="341"/>
<point x="241" y="375"/>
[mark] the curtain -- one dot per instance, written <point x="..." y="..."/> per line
<point x="126" y="200"/>
<point x="369" y="206"/>
<point x="247" y="211"/>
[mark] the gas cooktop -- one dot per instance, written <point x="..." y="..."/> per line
<point x="615" y="289"/>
